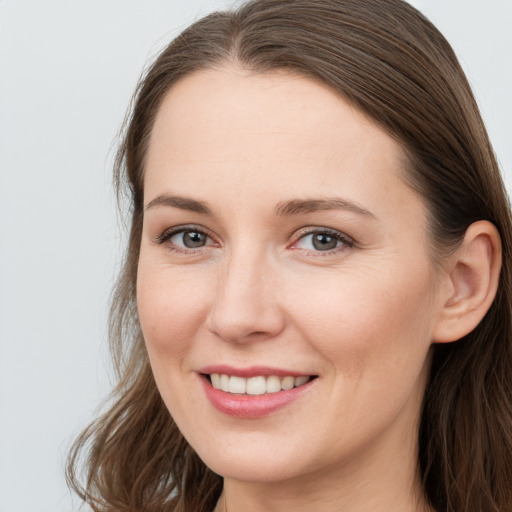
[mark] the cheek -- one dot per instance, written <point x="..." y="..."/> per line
<point x="374" y="335"/>
<point x="383" y="321"/>
<point x="171" y="309"/>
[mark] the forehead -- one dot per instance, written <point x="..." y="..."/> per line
<point x="282" y="133"/>
<point x="238" y="105"/>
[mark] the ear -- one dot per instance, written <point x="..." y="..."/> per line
<point x="471" y="282"/>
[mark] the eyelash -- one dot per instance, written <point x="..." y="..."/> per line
<point x="167" y="235"/>
<point x="346" y="241"/>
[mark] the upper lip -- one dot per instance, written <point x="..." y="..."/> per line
<point x="251" y="371"/>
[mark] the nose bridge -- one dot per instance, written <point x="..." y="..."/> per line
<point x="245" y="307"/>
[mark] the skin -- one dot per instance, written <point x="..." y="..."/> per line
<point x="361" y="317"/>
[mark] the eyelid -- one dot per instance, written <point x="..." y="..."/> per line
<point x="167" y="234"/>
<point x="347" y="241"/>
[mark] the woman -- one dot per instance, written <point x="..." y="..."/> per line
<point x="314" y="311"/>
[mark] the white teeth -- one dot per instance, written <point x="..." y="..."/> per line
<point x="224" y="383"/>
<point x="216" y="380"/>
<point x="256" y="385"/>
<point x="273" y="384"/>
<point x="288" y="382"/>
<point x="237" y="385"/>
<point x="301" y="380"/>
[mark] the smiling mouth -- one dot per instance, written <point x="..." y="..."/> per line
<point x="258" y="385"/>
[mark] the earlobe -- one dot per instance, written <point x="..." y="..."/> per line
<point x="472" y="282"/>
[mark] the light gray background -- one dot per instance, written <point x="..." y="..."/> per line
<point x="67" y="72"/>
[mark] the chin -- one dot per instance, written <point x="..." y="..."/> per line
<point x="251" y="461"/>
<point x="256" y="470"/>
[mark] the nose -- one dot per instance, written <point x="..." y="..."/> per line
<point x="246" y="307"/>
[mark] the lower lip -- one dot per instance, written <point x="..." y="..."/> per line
<point x="252" y="406"/>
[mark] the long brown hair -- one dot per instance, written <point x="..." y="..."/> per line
<point x="391" y="63"/>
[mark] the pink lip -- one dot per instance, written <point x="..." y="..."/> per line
<point x="252" y="371"/>
<point x="252" y="406"/>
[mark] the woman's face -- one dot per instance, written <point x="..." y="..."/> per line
<point x="281" y="248"/>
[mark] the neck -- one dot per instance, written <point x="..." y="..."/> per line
<point x="238" y="496"/>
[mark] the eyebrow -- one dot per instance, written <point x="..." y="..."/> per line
<point x="300" y="206"/>
<point x="183" y="203"/>
<point x="286" y="208"/>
